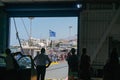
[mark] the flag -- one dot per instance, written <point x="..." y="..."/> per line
<point x="52" y="33"/>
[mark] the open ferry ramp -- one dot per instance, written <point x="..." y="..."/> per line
<point x="56" y="71"/>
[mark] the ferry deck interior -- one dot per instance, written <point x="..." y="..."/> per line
<point x="98" y="28"/>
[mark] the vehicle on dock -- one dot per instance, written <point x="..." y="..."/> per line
<point x="23" y="72"/>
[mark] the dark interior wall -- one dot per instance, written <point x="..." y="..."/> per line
<point x="4" y="29"/>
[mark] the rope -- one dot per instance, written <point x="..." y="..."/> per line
<point x="25" y="27"/>
<point x="18" y="35"/>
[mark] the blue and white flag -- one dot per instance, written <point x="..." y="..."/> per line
<point x="52" y="33"/>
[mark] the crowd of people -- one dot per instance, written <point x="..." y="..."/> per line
<point x="78" y="67"/>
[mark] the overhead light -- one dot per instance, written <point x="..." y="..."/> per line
<point x="79" y="6"/>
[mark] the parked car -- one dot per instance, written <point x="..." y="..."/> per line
<point x="21" y="73"/>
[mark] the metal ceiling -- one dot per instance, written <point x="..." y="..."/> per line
<point x="9" y="1"/>
<point x="43" y="9"/>
<point x="46" y="7"/>
<point x="2" y="2"/>
<point x="98" y="1"/>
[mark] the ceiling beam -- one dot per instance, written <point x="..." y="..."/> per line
<point x="48" y="9"/>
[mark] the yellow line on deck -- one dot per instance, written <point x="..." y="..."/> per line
<point x="53" y="63"/>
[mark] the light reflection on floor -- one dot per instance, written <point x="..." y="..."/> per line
<point x="34" y="78"/>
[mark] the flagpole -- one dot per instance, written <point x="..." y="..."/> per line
<point x="49" y="38"/>
<point x="70" y="27"/>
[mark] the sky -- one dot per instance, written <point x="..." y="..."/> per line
<point x="39" y="27"/>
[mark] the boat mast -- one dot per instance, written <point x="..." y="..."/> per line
<point x="30" y="42"/>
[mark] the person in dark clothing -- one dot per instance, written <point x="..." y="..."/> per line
<point x="85" y="65"/>
<point x="12" y="65"/>
<point x="41" y="64"/>
<point x="73" y="64"/>
<point x="111" y="69"/>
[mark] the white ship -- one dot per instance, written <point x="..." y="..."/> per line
<point x="30" y="47"/>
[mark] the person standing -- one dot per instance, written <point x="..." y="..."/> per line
<point x="12" y="65"/>
<point x="85" y="65"/>
<point x="111" y="70"/>
<point x="41" y="65"/>
<point x="72" y="64"/>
